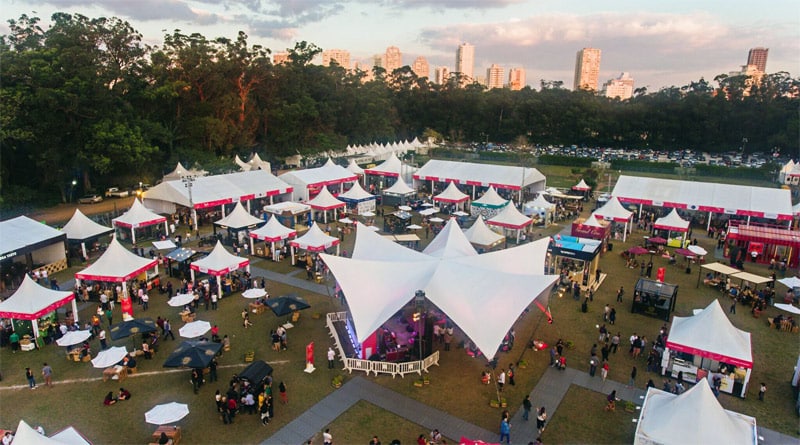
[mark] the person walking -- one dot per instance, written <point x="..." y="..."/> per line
<point x="47" y="373"/>
<point x="212" y="370"/>
<point x="541" y="420"/>
<point x="762" y="391"/>
<point x="282" y="391"/>
<point x="604" y="370"/>
<point x="327" y="438"/>
<point x="102" y="337"/>
<point x="620" y="293"/>
<point x="526" y="407"/>
<point x="31" y="378"/>
<point x="505" y="431"/>
<point x="168" y="330"/>
<point x="214" y="300"/>
<point x="632" y="381"/>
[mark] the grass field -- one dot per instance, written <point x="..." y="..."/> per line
<point x="454" y="387"/>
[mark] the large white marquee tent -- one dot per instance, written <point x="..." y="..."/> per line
<point x="483" y="294"/>
<point x="32" y="301"/>
<point x="481" y="175"/>
<point x="309" y="181"/>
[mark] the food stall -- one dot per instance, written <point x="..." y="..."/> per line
<point x="582" y="255"/>
<point x="32" y="309"/>
<point x="673" y="223"/>
<point x="706" y="345"/>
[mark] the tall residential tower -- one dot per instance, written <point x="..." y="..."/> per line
<point x="393" y="59"/>
<point x="421" y="68"/>
<point x="758" y="57"/>
<point x="465" y="61"/>
<point x="494" y="76"/>
<point x="516" y="79"/>
<point x="340" y="56"/>
<point x="587" y="69"/>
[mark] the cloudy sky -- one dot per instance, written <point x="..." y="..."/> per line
<point x="661" y="43"/>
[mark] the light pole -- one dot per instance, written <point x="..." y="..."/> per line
<point x="188" y="182"/>
<point x="72" y="191"/>
<point x="419" y="301"/>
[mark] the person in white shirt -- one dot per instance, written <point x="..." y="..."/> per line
<point x="501" y="379"/>
<point x="327" y="438"/>
<point x="331" y="357"/>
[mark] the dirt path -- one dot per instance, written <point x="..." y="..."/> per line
<point x="60" y="214"/>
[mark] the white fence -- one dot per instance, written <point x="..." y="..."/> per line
<point x="368" y="366"/>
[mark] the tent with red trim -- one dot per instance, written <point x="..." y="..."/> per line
<point x="81" y="229"/>
<point x="673" y="223"/>
<point x="219" y="262"/>
<point x="31" y="301"/>
<point x="310" y="181"/>
<point x="391" y="167"/>
<point x="451" y="195"/>
<point x="239" y="219"/>
<point x="481" y="175"/>
<point x="480" y="235"/>
<point x="582" y="186"/>
<point x="613" y="211"/>
<point x="398" y="193"/>
<point x="358" y="199"/>
<point x="710" y="334"/>
<point x="139" y="216"/>
<point x="488" y="205"/>
<point x="510" y="218"/>
<point x="325" y="201"/>
<point x="271" y="232"/>
<point x="315" y="240"/>
<point x="117" y="264"/>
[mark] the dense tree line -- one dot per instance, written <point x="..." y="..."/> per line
<point x="86" y="100"/>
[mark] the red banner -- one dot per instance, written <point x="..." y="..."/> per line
<point x="310" y="353"/>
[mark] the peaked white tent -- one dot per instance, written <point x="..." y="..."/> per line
<point x="451" y="195"/>
<point x="451" y="242"/>
<point x="325" y="201"/>
<point x="31" y="301"/>
<point x="26" y="435"/>
<point x="71" y="436"/>
<point x="510" y="218"/>
<point x="728" y="344"/>
<point x="673" y="223"/>
<point x="239" y="219"/>
<point x="315" y="240"/>
<point x="499" y="176"/>
<point x="391" y="167"/>
<point x="309" y="181"/>
<point x="613" y="211"/>
<point x="139" y="216"/>
<point x="581" y="186"/>
<point x="271" y="232"/>
<point x="81" y="228"/>
<point x="482" y="294"/>
<point x="354" y="168"/>
<point x="180" y="172"/>
<point x="488" y="205"/>
<point x="398" y="194"/>
<point x="219" y="262"/>
<point x="542" y="207"/>
<point x="359" y="199"/>
<point x="479" y="234"/>
<point x="695" y="416"/>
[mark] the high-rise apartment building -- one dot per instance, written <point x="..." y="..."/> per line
<point x="758" y="57"/>
<point x="340" y="56"/>
<point x="621" y="87"/>
<point x="495" y="75"/>
<point x="393" y="59"/>
<point x="587" y="69"/>
<point x="279" y="58"/>
<point x="516" y="79"/>
<point x="441" y="75"/>
<point x="465" y="61"/>
<point x="421" y="68"/>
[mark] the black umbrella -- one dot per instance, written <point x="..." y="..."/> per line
<point x="193" y="354"/>
<point x="133" y="327"/>
<point x="286" y="304"/>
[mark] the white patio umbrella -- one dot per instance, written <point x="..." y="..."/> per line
<point x="374" y="228"/>
<point x="110" y="357"/>
<point x="787" y="308"/>
<point x="414" y="227"/>
<point x="790" y="282"/>
<point x="180" y="300"/>
<point x="73" y="338"/>
<point x="427" y="204"/>
<point x="368" y="214"/>
<point x="697" y="250"/>
<point x="346" y="220"/>
<point x="166" y="413"/>
<point x="406" y="208"/>
<point x="436" y="219"/>
<point x="194" y="329"/>
<point x="460" y="213"/>
<point x="254" y="293"/>
<point x="429" y="211"/>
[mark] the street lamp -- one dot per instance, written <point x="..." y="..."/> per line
<point x="188" y="182"/>
<point x="72" y="191"/>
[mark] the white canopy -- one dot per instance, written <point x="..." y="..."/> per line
<point x="356" y="194"/>
<point x="490" y="199"/>
<point x="21" y="235"/>
<point x="25" y="435"/>
<point x="31" y="301"/>
<point x="581" y="186"/>
<point x="593" y="221"/>
<point x="354" y="168"/>
<point x="310" y="178"/>
<point x="80" y="227"/>
<point x="672" y="222"/>
<point x="451" y="194"/>
<point x="391" y="167"/>
<point x="695" y="416"/>
<point x="483" y="294"/>
<point x="315" y="240"/>
<point x="727" y="344"/>
<point x="181" y="171"/>
<point x="705" y="196"/>
<point x="219" y="262"/>
<point x="540" y="203"/>
<point x="399" y="188"/>
<point x="510" y="218"/>
<point x="499" y="176"/>
<point x="70" y="436"/>
<point x="450" y="243"/>
<point x="325" y="201"/>
<point x="239" y="218"/>
<point x="481" y="235"/>
<point x="117" y="264"/>
<point x="138" y="216"/>
<point x="293" y="208"/>
<point x="613" y="210"/>
<point x="273" y="230"/>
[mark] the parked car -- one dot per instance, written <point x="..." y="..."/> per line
<point x="115" y="192"/>
<point x="90" y="199"/>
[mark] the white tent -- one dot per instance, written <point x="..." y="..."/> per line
<point x="593" y="221"/>
<point x="613" y="211"/>
<point x="399" y="193"/>
<point x="479" y="234"/>
<point x="25" y="435"/>
<point x="391" y="167"/>
<point x="728" y="344"/>
<point x="451" y="195"/>
<point x="31" y="301"/>
<point x="315" y="240"/>
<point x="180" y="172"/>
<point x="451" y="242"/>
<point x="71" y="436"/>
<point x="581" y="186"/>
<point x="239" y="218"/>
<point x="81" y="228"/>
<point x="510" y="218"/>
<point x="483" y="294"/>
<point x="488" y="205"/>
<point x="672" y="222"/>
<point x="542" y="207"/>
<point x="309" y="180"/>
<point x="219" y="262"/>
<point x="139" y="216"/>
<point x="359" y="199"/>
<point x="116" y="264"/>
<point x="21" y="235"/>
<point x="272" y="232"/>
<point x="325" y="201"/>
<point x="695" y="416"/>
<point x="708" y="197"/>
<point x="499" y="176"/>
<point x="354" y="168"/>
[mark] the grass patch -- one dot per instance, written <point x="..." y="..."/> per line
<point x="580" y="418"/>
<point x="364" y="420"/>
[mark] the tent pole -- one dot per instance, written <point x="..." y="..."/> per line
<point x="35" y="325"/>
<point x="274" y="254"/>
<point x="640" y="210"/>
<point x="293" y="262"/>
<point x="166" y="228"/>
<point x="252" y="247"/>
<point x="194" y="218"/>
<point x="75" y="309"/>
<point x="83" y="248"/>
<point x="708" y="226"/>
<point x="248" y="207"/>
<point x="192" y="272"/>
<point x="748" y="220"/>
<point x="222" y="207"/>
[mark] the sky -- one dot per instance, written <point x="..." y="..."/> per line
<point x="660" y="43"/>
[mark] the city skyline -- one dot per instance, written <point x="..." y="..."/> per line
<point x="659" y="46"/>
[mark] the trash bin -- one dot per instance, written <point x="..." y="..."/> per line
<point x="610" y="247"/>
